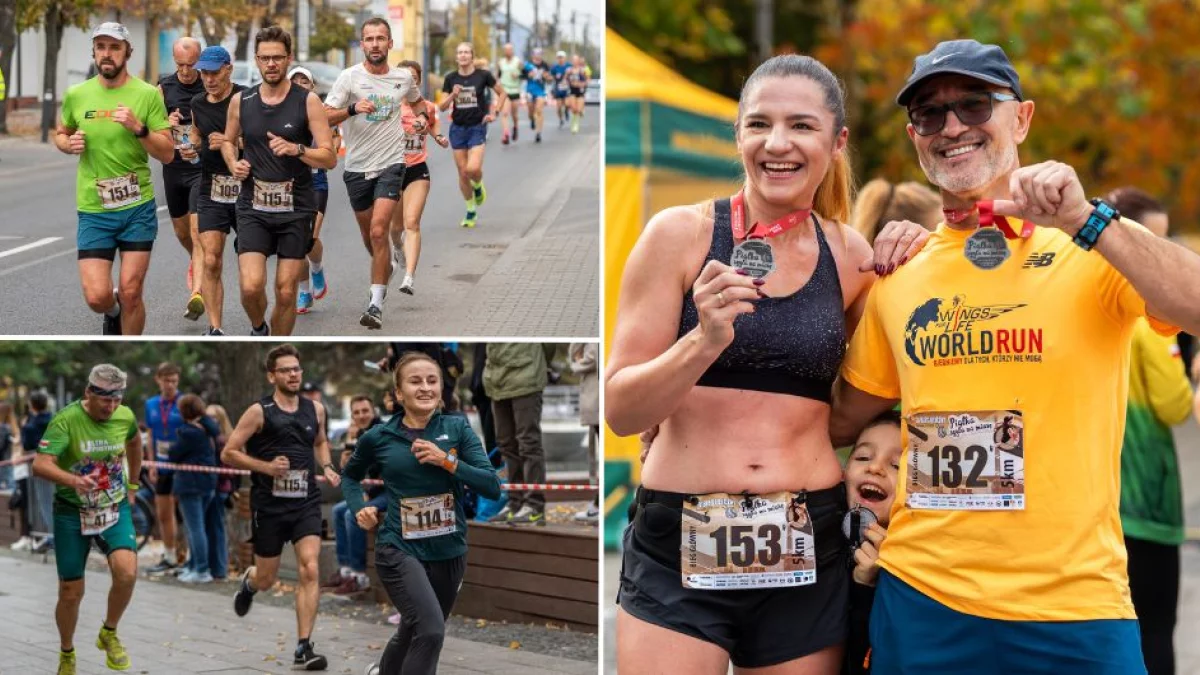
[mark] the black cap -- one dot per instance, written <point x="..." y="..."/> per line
<point x="964" y="57"/>
<point x="310" y="386"/>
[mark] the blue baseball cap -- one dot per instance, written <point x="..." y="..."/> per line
<point x="963" y="57"/>
<point x="212" y="58"/>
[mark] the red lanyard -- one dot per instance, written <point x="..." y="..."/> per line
<point x="759" y="231"/>
<point x="164" y="411"/>
<point x="988" y="218"/>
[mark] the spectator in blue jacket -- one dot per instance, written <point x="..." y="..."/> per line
<point x="203" y="512"/>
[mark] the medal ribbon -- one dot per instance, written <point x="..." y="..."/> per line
<point x="988" y="218"/>
<point x="737" y="204"/>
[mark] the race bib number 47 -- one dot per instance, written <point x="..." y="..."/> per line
<point x="424" y="517"/>
<point x="733" y="542"/>
<point x="95" y="520"/>
<point x="119" y="191"/>
<point x="969" y="461"/>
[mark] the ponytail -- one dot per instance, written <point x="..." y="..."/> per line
<point x="835" y="194"/>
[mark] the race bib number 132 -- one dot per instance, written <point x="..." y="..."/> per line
<point x="733" y="542"/>
<point x="969" y="461"/>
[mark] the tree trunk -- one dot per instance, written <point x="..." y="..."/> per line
<point x="54" y="31"/>
<point x="242" y="377"/>
<point x="8" y="39"/>
<point x="243" y="41"/>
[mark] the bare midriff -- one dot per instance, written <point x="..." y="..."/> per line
<point x="735" y="441"/>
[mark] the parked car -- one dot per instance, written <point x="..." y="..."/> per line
<point x="245" y="74"/>
<point x="592" y="95"/>
<point x="326" y="74"/>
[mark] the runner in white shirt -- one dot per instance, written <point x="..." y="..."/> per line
<point x="365" y="100"/>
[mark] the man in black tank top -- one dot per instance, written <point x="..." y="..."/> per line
<point x="281" y="439"/>
<point x="285" y="135"/>
<point x="181" y="177"/>
<point x="216" y="211"/>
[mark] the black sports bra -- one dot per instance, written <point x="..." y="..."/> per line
<point x="789" y="345"/>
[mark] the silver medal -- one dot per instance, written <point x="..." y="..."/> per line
<point x="755" y="256"/>
<point x="986" y="248"/>
<point x="862" y="517"/>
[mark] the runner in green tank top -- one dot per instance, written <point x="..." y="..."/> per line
<point x="83" y="453"/>
<point x="509" y="67"/>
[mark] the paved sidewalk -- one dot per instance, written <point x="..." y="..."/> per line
<point x="170" y="630"/>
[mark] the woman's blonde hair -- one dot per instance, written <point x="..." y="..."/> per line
<point x="880" y="202"/>
<point x="218" y="413"/>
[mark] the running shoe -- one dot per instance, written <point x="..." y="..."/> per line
<point x="23" y="544"/>
<point x="304" y="302"/>
<point x="527" y="516"/>
<point x="66" y="663"/>
<point x="372" y="318"/>
<point x="115" y="656"/>
<point x="162" y="567"/>
<point x="480" y="194"/>
<point x="112" y="324"/>
<point x="407" y="285"/>
<point x="193" y="577"/>
<point x="335" y="580"/>
<point x="538" y="139"/>
<point x="261" y="331"/>
<point x="320" y="288"/>
<point x="244" y="596"/>
<point x="195" y="307"/>
<point x="503" y="516"/>
<point x="350" y="586"/>
<point x="469" y="220"/>
<point x="213" y="332"/>
<point x="372" y="669"/>
<point x="504" y="141"/>
<point x="591" y="515"/>
<point x="307" y="660"/>
<point x="515" y="133"/>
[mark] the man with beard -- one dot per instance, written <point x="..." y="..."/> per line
<point x="84" y="452"/>
<point x="1011" y="556"/>
<point x="366" y="99"/>
<point x="181" y="176"/>
<point x="114" y="122"/>
<point x="285" y="135"/>
<point x="219" y="191"/>
<point x="281" y="439"/>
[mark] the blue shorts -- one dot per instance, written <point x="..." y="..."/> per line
<point x="462" y="138"/>
<point x="562" y="93"/>
<point x="535" y="94"/>
<point x="912" y="633"/>
<point x="132" y="229"/>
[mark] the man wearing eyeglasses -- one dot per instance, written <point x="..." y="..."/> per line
<point x="1008" y="346"/>
<point x="284" y="136"/>
<point x="84" y="452"/>
<point x="281" y="439"/>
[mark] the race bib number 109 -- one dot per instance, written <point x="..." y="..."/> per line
<point x="969" y="461"/>
<point x="733" y="542"/>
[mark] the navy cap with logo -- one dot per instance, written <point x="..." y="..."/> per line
<point x="962" y="57"/>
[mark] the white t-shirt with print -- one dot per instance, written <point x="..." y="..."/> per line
<point x="374" y="141"/>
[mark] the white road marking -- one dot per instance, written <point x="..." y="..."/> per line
<point x="31" y="245"/>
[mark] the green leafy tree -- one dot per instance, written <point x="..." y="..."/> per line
<point x="331" y="31"/>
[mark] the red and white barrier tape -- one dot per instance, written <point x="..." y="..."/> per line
<point x="196" y="468"/>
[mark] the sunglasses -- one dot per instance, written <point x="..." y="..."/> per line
<point x="972" y="110"/>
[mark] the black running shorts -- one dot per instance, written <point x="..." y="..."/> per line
<point x="758" y="627"/>
<point x="270" y="531"/>
<point x="289" y="239"/>
<point x="364" y="191"/>
<point x="182" y="188"/>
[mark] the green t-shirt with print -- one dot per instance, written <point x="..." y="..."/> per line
<point x="112" y="153"/>
<point x="83" y="446"/>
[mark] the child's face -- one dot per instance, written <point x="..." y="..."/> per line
<point x="872" y="468"/>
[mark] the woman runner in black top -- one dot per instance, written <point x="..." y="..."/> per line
<point x="285" y="135"/>
<point x="738" y="371"/>
<point x="467" y="88"/>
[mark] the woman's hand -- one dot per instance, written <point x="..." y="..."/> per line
<point x="367" y="518"/>
<point x="427" y="452"/>
<point x="721" y="293"/>
<point x="895" y="245"/>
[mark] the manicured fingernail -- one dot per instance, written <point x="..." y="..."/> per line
<point x="759" y="282"/>
<point x="879" y="270"/>
<point x="904" y="260"/>
<point x="891" y="268"/>
<point x="742" y="272"/>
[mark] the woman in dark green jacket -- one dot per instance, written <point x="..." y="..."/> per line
<point x="425" y="458"/>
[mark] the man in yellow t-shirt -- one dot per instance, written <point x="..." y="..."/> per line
<point x="1010" y="354"/>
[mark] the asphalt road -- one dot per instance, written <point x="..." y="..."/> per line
<point x="530" y="188"/>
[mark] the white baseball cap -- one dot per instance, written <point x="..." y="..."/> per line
<point x="561" y="54"/>
<point x="111" y="29"/>
<point x="301" y="70"/>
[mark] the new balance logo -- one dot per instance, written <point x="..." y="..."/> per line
<point x="1038" y="260"/>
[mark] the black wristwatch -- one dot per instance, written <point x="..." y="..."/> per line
<point x="144" y="132"/>
<point x="350" y="110"/>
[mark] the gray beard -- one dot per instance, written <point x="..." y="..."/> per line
<point x="959" y="182"/>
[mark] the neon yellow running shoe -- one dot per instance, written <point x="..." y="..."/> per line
<point x="66" y="663"/>
<point x="195" y="307"/>
<point x="115" y="655"/>
<point x="469" y="220"/>
<point x="479" y="193"/>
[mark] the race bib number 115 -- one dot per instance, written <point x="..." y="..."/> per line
<point x="970" y="461"/>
